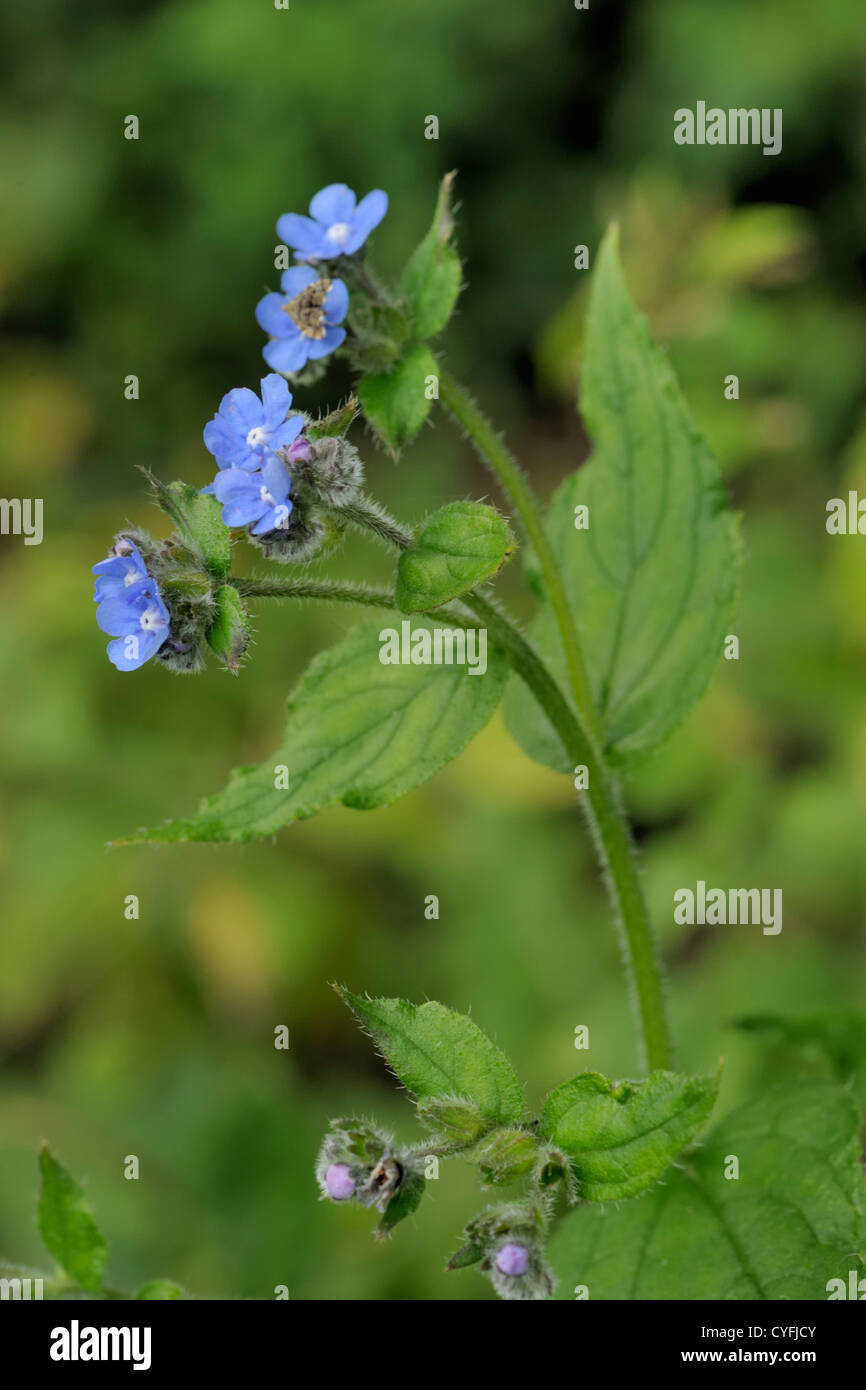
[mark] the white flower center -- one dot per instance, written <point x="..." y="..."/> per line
<point x="130" y="577"/>
<point x="338" y="233"/>
<point x="266" y="496"/>
<point x="256" y="437"/>
<point x="151" y="619"/>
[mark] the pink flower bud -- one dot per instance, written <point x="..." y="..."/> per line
<point x="512" y="1259"/>
<point x="339" y="1182"/>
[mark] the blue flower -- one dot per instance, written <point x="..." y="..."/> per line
<point x="246" y="431"/>
<point x="261" y="497"/>
<point x="130" y="609"/>
<point x="303" y="319"/>
<point x="122" y="569"/>
<point x="336" y="226"/>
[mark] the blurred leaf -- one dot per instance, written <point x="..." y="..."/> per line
<point x="791" y="1220"/>
<point x="461" y="545"/>
<point x="397" y="403"/>
<point x="840" y="1035"/>
<point x="162" y="1290"/>
<point x="436" y="1052"/>
<point x="67" y="1226"/>
<point x="652" y="581"/>
<point x="431" y="281"/>
<point x="359" y="732"/>
<point x="622" y="1136"/>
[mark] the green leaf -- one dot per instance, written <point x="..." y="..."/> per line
<point x="67" y="1226"/>
<point x="456" y="548"/>
<point x="359" y="732"/>
<point x="430" y="284"/>
<point x="159" y="1290"/>
<point x="621" y="1136"/>
<point x="791" y="1221"/>
<point x="652" y="581"/>
<point x="397" y="403"/>
<point x="833" y="1041"/>
<point x="434" y="1051"/>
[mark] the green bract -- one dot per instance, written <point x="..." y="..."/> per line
<point x="431" y="281"/>
<point x="67" y="1226"/>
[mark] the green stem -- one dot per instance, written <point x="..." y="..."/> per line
<point x="328" y="590"/>
<point x="605" y="815"/>
<point x="609" y="829"/>
<point x="494" y="452"/>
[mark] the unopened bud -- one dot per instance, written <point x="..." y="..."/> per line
<point x="339" y="1182"/>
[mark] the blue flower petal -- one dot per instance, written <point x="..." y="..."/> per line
<point x="271" y="316"/>
<point x="368" y="214"/>
<point x="336" y="303"/>
<point x="303" y="234"/>
<point x="276" y="480"/>
<point x="295" y="279"/>
<point x="276" y="400"/>
<point x="236" y="484"/>
<point x="336" y="203"/>
<point x="223" y="443"/>
<point x="287" y="433"/>
<point x="241" y="409"/>
<point x="320" y="347"/>
<point x="287" y="354"/>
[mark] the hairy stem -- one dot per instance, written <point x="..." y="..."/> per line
<point x="605" y="815"/>
<point x="328" y="590"/>
<point x="494" y="452"/>
<point x="609" y="830"/>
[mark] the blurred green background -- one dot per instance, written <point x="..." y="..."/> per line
<point x="155" y="1037"/>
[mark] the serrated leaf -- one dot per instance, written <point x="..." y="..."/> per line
<point x="621" y="1136"/>
<point x="67" y="1225"/>
<point x="397" y="403"/>
<point x="652" y="581"/>
<point x="459" y="546"/>
<point x="434" y="1051"/>
<point x="359" y="732"/>
<point x="430" y="284"/>
<point x="792" y="1220"/>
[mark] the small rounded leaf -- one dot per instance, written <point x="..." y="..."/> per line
<point x="461" y="545"/>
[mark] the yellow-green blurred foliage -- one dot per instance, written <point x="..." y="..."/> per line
<point x="155" y="1037"/>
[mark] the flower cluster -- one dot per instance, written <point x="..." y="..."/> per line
<point x="506" y="1242"/>
<point x="130" y="607"/>
<point x="253" y="440"/>
<point x="277" y="474"/>
<point x="359" y="1162"/>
